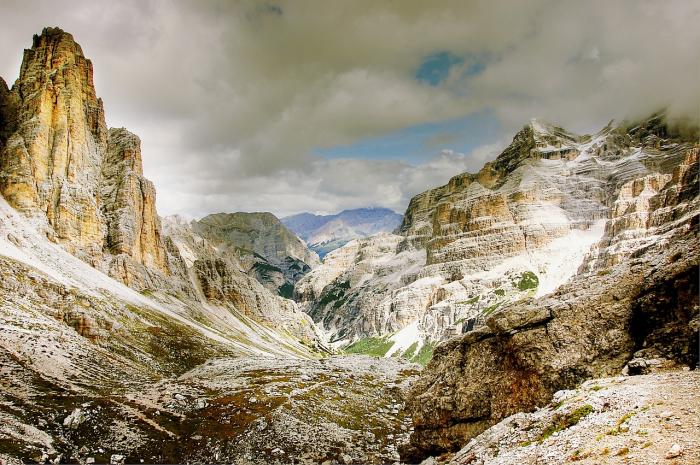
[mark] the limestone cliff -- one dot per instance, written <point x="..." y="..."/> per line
<point x="129" y="207"/>
<point x="83" y="186"/>
<point x="552" y="203"/>
<point x="60" y="165"/>
<point x="634" y="302"/>
<point x="220" y="279"/>
<point x="50" y="166"/>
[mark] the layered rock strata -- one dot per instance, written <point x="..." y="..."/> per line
<point x="635" y="299"/>
<point x="61" y="166"/>
<point x="551" y="203"/>
<point x="82" y="186"/>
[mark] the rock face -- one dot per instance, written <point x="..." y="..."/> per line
<point x="638" y="420"/>
<point x="51" y="162"/>
<point x="83" y="187"/>
<point x="325" y="233"/>
<point x="329" y="293"/>
<point x="60" y="165"/>
<point x="262" y="245"/>
<point x="519" y="228"/>
<point x="129" y="206"/>
<point x="636" y="297"/>
<point x="220" y="279"/>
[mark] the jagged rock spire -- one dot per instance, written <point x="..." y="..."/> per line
<point x="61" y="166"/>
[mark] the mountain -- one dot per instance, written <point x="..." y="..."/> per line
<point x="263" y="246"/>
<point x="325" y="233"/>
<point x="125" y="338"/>
<point x="80" y="186"/>
<point x="552" y="206"/>
<point x="630" y="306"/>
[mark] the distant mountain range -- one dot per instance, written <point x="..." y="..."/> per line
<point x="324" y="233"/>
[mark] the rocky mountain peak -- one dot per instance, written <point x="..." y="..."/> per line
<point x="59" y="165"/>
<point x="50" y="163"/>
<point x="262" y="245"/>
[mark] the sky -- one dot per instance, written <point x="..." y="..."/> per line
<point x="291" y="106"/>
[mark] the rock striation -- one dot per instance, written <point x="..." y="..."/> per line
<point x="51" y="160"/>
<point x="129" y="209"/>
<point x="635" y="299"/>
<point x="82" y="186"/>
<point x="60" y="165"/>
<point x="550" y="204"/>
<point x="220" y="279"/>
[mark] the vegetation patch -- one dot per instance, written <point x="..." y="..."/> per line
<point x="470" y="301"/>
<point x="528" y="280"/>
<point x="411" y="351"/>
<point x="623" y="419"/>
<point x="499" y="292"/>
<point x="286" y="290"/>
<point x="563" y="422"/>
<point x="266" y="267"/>
<point x="490" y="309"/>
<point x="424" y="354"/>
<point x="374" y="346"/>
<point x="335" y="293"/>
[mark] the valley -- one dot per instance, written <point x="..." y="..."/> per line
<point x="472" y="329"/>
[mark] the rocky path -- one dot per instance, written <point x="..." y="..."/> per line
<point x="636" y="420"/>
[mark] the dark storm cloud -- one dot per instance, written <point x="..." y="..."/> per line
<point x="231" y="98"/>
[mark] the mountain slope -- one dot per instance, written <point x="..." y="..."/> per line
<point x="262" y="245"/>
<point x="325" y="233"/>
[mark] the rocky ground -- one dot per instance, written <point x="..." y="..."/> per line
<point x="226" y="410"/>
<point x="641" y="420"/>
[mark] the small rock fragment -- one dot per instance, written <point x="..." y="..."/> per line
<point x="675" y="451"/>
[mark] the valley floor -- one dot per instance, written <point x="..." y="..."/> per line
<point x="248" y="410"/>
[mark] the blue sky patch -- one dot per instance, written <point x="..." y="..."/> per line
<point x="436" y="67"/>
<point x="417" y="144"/>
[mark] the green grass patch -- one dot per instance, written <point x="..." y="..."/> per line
<point x="411" y="351"/>
<point x="528" y="280"/>
<point x="424" y="354"/>
<point x="499" y="292"/>
<point x="374" y="346"/>
<point x="471" y="301"/>
<point x="490" y="309"/>
<point x="615" y="431"/>
<point x="563" y="422"/>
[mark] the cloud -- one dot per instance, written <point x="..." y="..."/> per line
<point x="326" y="186"/>
<point x="233" y="99"/>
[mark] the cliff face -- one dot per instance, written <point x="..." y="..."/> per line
<point x="633" y="304"/>
<point x="550" y="205"/>
<point x="51" y="162"/>
<point x="128" y="205"/>
<point x="83" y="187"/>
<point x="220" y="279"/>
<point x="61" y="166"/>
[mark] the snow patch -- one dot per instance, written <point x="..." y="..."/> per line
<point x="406" y="338"/>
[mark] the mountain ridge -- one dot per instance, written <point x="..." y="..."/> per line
<point x="325" y="233"/>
